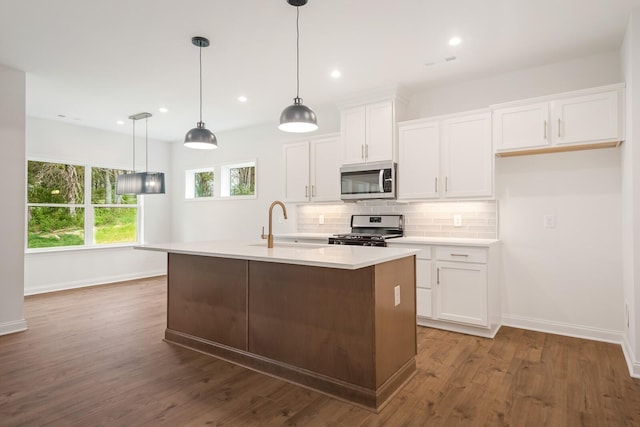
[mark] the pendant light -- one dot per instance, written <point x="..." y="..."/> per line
<point x="140" y="182"/>
<point x="200" y="137"/>
<point x="298" y="117"/>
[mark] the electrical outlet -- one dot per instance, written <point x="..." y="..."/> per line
<point x="457" y="220"/>
<point x="549" y="221"/>
<point x="396" y="295"/>
<point x="321" y="219"/>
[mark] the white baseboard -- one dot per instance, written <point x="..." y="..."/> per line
<point x="93" y="282"/>
<point x="577" y="331"/>
<point x="551" y="327"/>
<point x="456" y="327"/>
<point x="629" y="355"/>
<point x="13" y="327"/>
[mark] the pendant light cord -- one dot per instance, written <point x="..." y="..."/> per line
<point x="146" y="145"/>
<point x="297" y="51"/>
<point x="200" y="84"/>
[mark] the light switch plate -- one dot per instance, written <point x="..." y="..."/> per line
<point x="457" y="220"/>
<point x="321" y="219"/>
<point x="396" y="295"/>
<point x="549" y="221"/>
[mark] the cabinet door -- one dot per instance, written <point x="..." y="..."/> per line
<point x="424" y="305"/>
<point x="325" y="170"/>
<point x="296" y="160"/>
<point x="467" y="166"/>
<point x="461" y="293"/>
<point x="379" y="132"/>
<point x="586" y="119"/>
<point x="353" y="131"/>
<point x="419" y="161"/>
<point x="521" y="127"/>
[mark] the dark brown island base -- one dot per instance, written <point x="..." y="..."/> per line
<point x="346" y="332"/>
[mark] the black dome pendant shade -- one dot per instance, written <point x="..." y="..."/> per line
<point x="297" y="117"/>
<point x="200" y="137"/>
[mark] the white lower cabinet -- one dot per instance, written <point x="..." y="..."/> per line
<point x="457" y="287"/>
<point x="462" y="292"/>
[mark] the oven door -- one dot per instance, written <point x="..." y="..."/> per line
<point x="368" y="181"/>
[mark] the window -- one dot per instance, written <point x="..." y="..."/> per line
<point x="239" y="180"/>
<point x="115" y="217"/>
<point x="73" y="205"/>
<point x="199" y="183"/>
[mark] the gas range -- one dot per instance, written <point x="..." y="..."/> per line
<point x="371" y="230"/>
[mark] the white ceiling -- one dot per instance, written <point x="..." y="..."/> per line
<point x="99" y="62"/>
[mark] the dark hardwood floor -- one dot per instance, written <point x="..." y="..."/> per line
<point x="95" y="356"/>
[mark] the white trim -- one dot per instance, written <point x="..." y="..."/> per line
<point x="632" y="364"/>
<point x="93" y="281"/>
<point x="456" y="327"/>
<point x="567" y="329"/>
<point x="13" y="327"/>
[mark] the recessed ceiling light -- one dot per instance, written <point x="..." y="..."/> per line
<point x="455" y="41"/>
<point x="242" y="98"/>
<point x="119" y="122"/>
<point x="163" y="109"/>
<point x="336" y="74"/>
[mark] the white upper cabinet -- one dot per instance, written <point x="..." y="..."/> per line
<point x="585" y="118"/>
<point x="526" y="126"/>
<point x="467" y="158"/>
<point x="353" y="128"/>
<point x="312" y="170"/>
<point x="379" y="135"/>
<point x="448" y="157"/>
<point x="296" y="160"/>
<point x="325" y="169"/>
<point x="368" y="132"/>
<point x="418" y="160"/>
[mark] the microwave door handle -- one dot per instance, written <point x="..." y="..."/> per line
<point x="381" y="181"/>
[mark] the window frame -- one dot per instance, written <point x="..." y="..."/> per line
<point x="88" y="206"/>
<point x="189" y="183"/>
<point x="225" y="180"/>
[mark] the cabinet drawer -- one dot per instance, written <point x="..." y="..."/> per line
<point x="423" y="273"/>
<point x="423" y="303"/>
<point x="461" y="254"/>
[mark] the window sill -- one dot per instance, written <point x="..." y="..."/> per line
<point x="61" y="249"/>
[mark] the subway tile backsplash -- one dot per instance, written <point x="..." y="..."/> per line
<point x="425" y="219"/>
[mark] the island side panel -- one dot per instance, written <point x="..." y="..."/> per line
<point x="315" y="318"/>
<point x="395" y="327"/>
<point x="207" y="298"/>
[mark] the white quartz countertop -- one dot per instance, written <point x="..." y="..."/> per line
<point x="417" y="240"/>
<point x="318" y="255"/>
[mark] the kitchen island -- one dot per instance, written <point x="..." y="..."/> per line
<point x="337" y="319"/>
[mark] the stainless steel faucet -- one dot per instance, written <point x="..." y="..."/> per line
<point x="269" y="236"/>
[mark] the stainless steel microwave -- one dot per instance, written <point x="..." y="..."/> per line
<point x="368" y="181"/>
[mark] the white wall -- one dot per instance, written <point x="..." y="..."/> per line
<point x="195" y="220"/>
<point x="631" y="192"/>
<point x="55" y="141"/>
<point x="580" y="73"/>
<point x="568" y="279"/>
<point x="12" y="172"/>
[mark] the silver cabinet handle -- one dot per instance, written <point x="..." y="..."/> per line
<point x="559" y="124"/>
<point x="545" y="129"/>
<point x="313" y="190"/>
<point x="464" y="255"/>
<point x="446" y="184"/>
<point x="438" y="276"/>
<point x="436" y="184"/>
<point x="366" y="151"/>
<point x="362" y="152"/>
<point x="306" y="191"/>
